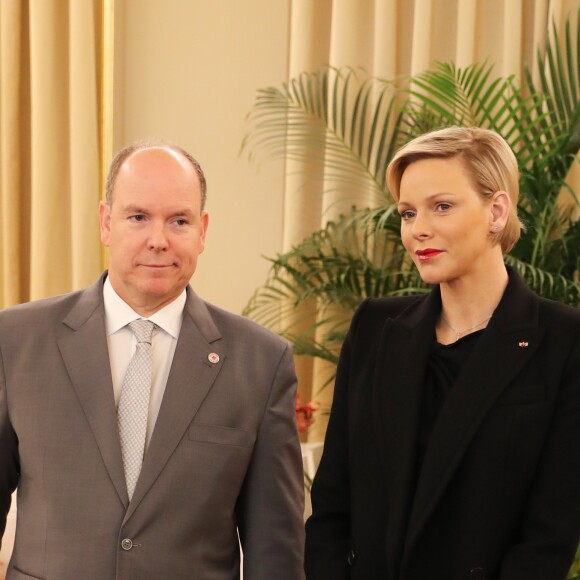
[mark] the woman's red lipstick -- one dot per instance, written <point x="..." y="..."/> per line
<point x="427" y="254"/>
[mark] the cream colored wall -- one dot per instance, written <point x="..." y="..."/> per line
<point x="188" y="71"/>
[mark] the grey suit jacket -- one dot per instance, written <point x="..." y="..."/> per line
<point x="223" y="459"/>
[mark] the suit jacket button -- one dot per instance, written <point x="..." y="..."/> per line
<point x="477" y="574"/>
<point x="351" y="559"/>
<point x="126" y="544"/>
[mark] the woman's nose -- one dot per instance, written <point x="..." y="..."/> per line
<point x="421" y="226"/>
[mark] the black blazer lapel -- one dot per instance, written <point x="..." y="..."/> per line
<point x="190" y="379"/>
<point x="403" y="353"/>
<point x="506" y="346"/>
<point x="83" y="346"/>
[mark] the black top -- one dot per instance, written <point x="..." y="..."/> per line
<point x="445" y="364"/>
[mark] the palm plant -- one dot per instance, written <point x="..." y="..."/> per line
<point x="345" y="126"/>
<point x="574" y="573"/>
<point x="345" y="129"/>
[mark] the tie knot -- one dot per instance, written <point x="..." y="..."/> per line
<point x="142" y="329"/>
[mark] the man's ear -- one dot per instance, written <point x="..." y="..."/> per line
<point x="203" y="229"/>
<point x="499" y="211"/>
<point x="105" y="221"/>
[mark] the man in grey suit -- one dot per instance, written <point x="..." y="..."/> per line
<point x="221" y="456"/>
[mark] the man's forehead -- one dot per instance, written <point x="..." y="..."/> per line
<point x="157" y="151"/>
<point x="158" y="164"/>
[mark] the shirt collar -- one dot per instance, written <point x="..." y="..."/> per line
<point x="119" y="314"/>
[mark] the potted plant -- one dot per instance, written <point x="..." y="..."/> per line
<point x="346" y="126"/>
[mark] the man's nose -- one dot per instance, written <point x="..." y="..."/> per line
<point x="157" y="236"/>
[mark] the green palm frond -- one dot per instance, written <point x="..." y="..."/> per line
<point x="341" y="123"/>
<point x="546" y="283"/>
<point x="551" y="242"/>
<point x="338" y="267"/>
<point x="560" y="84"/>
<point x="472" y="97"/>
<point x="574" y="573"/>
<point x="465" y="97"/>
<point x="349" y="260"/>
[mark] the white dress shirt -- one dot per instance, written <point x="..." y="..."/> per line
<point x="122" y="344"/>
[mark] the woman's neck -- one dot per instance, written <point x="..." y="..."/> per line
<point x="467" y="303"/>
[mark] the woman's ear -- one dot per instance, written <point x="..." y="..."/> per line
<point x="499" y="211"/>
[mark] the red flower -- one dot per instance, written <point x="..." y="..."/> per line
<point x="304" y="414"/>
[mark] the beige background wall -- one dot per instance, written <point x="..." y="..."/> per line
<point x="188" y="71"/>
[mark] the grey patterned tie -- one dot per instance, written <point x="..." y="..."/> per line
<point x="134" y="403"/>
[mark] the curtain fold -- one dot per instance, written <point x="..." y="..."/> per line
<point x="13" y="130"/>
<point x="392" y="39"/>
<point x="512" y="38"/>
<point x="466" y="30"/>
<point x="422" y="30"/>
<point x="385" y="39"/>
<point x="84" y="131"/>
<point x="50" y="141"/>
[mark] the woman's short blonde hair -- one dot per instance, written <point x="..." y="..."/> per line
<point x="487" y="157"/>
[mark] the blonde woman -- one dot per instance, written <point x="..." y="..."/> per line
<point x="453" y="447"/>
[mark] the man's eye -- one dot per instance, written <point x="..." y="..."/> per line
<point x="137" y="217"/>
<point x="181" y="221"/>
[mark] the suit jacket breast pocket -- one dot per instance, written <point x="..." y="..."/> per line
<point x="522" y="394"/>
<point x="220" y="435"/>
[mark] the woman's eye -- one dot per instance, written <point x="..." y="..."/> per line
<point x="443" y="206"/>
<point x="407" y="214"/>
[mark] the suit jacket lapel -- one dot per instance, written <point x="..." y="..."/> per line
<point x="506" y="346"/>
<point x="398" y="384"/>
<point x="190" y="379"/>
<point x="83" y="346"/>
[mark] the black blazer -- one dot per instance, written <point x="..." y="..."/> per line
<point x="498" y="497"/>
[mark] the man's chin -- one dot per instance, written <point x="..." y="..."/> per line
<point x="158" y="271"/>
<point x="163" y="285"/>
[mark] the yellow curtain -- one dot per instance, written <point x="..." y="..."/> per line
<point x="391" y="39"/>
<point x="50" y="143"/>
